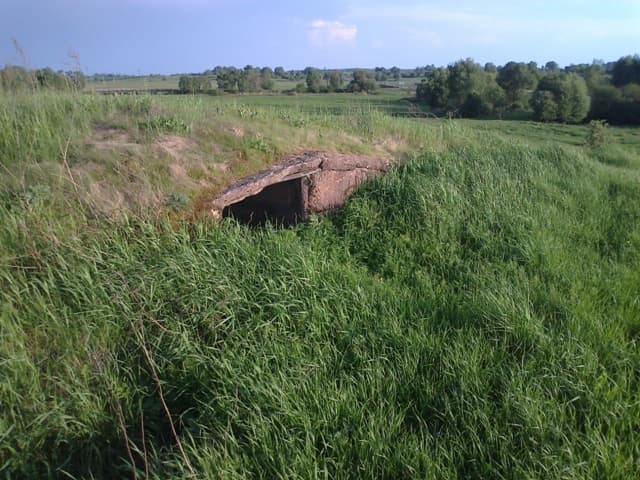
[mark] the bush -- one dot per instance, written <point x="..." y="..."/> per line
<point x="176" y="201"/>
<point x="597" y="134"/>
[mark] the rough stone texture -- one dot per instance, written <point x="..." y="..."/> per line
<point x="312" y="182"/>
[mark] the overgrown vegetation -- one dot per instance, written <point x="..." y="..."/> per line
<point x="473" y="314"/>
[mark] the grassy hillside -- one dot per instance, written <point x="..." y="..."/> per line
<point x="473" y="314"/>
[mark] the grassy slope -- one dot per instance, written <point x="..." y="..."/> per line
<point x="472" y="314"/>
<point x="118" y="149"/>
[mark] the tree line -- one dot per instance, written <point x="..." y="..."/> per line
<point x="571" y="95"/>
<point x="255" y="79"/>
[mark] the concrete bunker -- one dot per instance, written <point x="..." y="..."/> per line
<point x="288" y="192"/>
<point x="280" y="203"/>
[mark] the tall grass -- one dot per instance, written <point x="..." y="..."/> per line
<point x="473" y="314"/>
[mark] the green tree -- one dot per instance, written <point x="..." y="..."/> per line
<point x="434" y="90"/>
<point x="544" y="106"/>
<point x="515" y="79"/>
<point x="362" y="82"/>
<point x="266" y="78"/>
<point x="313" y="80"/>
<point x="279" y="72"/>
<point x="626" y="70"/>
<point x="193" y="84"/>
<point x="465" y="77"/>
<point x="228" y="79"/>
<point x="249" y="79"/>
<point x="561" y="97"/>
<point x="490" y="68"/>
<point x="335" y="80"/>
<point x="551" y="66"/>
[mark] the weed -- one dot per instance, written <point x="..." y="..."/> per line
<point x="176" y="201"/>
<point x="163" y="124"/>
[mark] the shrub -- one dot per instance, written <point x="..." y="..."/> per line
<point x="176" y="201"/>
<point x="597" y="134"/>
<point x="164" y="125"/>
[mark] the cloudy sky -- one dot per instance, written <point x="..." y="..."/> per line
<point x="172" y="36"/>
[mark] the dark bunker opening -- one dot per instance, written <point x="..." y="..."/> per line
<point x="281" y="203"/>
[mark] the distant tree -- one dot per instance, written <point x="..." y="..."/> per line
<point x="228" y="79"/>
<point x="631" y="91"/>
<point x="249" y="79"/>
<point x="493" y="96"/>
<point x="48" y="79"/>
<point x="395" y="73"/>
<point x="313" y="80"/>
<point x="626" y="70"/>
<point x="562" y="98"/>
<point x="279" y="72"/>
<point x="515" y="78"/>
<point x="362" y="82"/>
<point x="381" y="74"/>
<point x="266" y="78"/>
<point x="618" y="106"/>
<point x="193" y="84"/>
<point x="551" y="66"/>
<point x="335" y="80"/>
<point x="545" y="108"/>
<point x="465" y="77"/>
<point x="490" y="67"/>
<point x="434" y="90"/>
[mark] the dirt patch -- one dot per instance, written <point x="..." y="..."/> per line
<point x="237" y="132"/>
<point x="174" y="145"/>
<point x="105" y="197"/>
<point x="108" y="138"/>
<point x="177" y="171"/>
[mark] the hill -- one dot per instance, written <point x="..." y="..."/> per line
<point x="472" y="314"/>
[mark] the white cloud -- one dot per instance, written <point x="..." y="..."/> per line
<point x="323" y="33"/>
<point x="488" y="25"/>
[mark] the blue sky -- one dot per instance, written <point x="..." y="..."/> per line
<point x="175" y="36"/>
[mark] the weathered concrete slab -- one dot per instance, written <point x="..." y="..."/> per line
<point x="311" y="182"/>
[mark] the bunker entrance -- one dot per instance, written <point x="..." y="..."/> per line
<point x="281" y="203"/>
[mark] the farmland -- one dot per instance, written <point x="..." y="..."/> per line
<point x="475" y="313"/>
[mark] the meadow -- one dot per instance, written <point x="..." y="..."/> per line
<point x="475" y="313"/>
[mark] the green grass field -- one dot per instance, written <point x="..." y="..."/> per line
<point x="168" y="82"/>
<point x="473" y="314"/>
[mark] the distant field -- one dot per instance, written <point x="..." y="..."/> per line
<point x="137" y="83"/>
<point x="151" y="83"/>
<point x="335" y="103"/>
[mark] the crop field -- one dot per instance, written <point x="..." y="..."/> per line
<point x="475" y="313"/>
